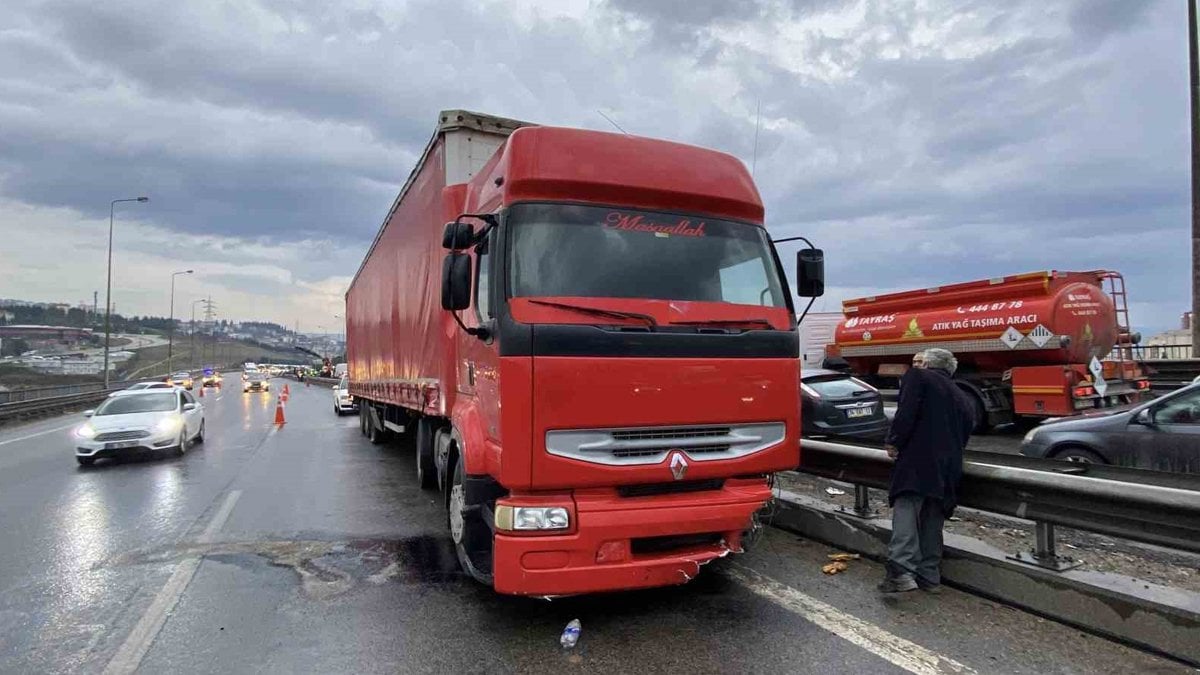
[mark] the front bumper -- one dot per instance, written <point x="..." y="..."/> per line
<point x="100" y="449"/>
<point x="627" y="543"/>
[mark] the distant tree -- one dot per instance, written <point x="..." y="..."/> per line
<point x="13" y="347"/>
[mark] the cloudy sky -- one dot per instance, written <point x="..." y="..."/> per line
<point x="920" y="142"/>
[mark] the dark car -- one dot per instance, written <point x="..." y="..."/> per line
<point x="1162" y="435"/>
<point x="837" y="404"/>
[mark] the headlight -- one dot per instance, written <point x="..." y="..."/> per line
<point x="167" y="425"/>
<point x="86" y="431"/>
<point x="526" y="518"/>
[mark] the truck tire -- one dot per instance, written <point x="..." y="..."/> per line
<point x="471" y="536"/>
<point x="982" y="425"/>
<point x="426" y="468"/>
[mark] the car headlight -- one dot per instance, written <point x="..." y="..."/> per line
<point x="167" y="425"/>
<point x="86" y="431"/>
<point x="526" y="518"/>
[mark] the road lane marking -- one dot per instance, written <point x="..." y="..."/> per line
<point x="40" y="433"/>
<point x="129" y="656"/>
<point x="892" y="648"/>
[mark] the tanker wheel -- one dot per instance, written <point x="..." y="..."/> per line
<point x="982" y="426"/>
<point x="1079" y="455"/>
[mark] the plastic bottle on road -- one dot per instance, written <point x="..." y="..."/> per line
<point x="570" y="634"/>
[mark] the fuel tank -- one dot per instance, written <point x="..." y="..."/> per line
<point x="991" y="325"/>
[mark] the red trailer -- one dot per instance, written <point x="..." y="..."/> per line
<point x="1025" y="343"/>
<point x="592" y="339"/>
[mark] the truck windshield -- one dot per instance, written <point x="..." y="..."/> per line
<point x="561" y="250"/>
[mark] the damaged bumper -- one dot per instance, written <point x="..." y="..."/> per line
<point x="622" y="543"/>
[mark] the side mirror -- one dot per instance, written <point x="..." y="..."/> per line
<point x="457" y="236"/>
<point x="89" y="413"/>
<point x="810" y="273"/>
<point x="1145" y="417"/>
<point x="189" y="406"/>
<point x="456" y="282"/>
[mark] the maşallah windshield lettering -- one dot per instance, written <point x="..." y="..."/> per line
<point x="567" y="250"/>
<point x="638" y="223"/>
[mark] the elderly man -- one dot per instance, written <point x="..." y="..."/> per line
<point x="932" y="424"/>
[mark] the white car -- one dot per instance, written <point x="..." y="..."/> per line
<point x="147" y="420"/>
<point x="149" y="385"/>
<point x="343" y="402"/>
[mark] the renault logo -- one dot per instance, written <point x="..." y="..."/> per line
<point x="679" y="466"/>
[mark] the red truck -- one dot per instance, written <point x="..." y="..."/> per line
<point x="1038" y="345"/>
<point x="591" y="337"/>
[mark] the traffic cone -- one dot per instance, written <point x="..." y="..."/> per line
<point x="279" y="412"/>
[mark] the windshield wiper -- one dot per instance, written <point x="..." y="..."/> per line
<point x="727" y="322"/>
<point x="596" y="311"/>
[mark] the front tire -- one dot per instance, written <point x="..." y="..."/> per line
<point x="1079" y="455"/>
<point x="465" y="529"/>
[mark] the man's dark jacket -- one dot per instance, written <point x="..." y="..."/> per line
<point x="934" y="419"/>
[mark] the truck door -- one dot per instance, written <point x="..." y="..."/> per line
<point x="483" y="363"/>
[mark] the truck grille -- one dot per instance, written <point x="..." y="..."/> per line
<point x="651" y="445"/>
<point x="121" y="435"/>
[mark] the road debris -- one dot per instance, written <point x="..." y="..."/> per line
<point x="835" y="567"/>
<point x="570" y="634"/>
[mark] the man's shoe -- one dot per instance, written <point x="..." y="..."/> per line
<point x="902" y="584"/>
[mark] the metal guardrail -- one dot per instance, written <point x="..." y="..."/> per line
<point x="53" y="399"/>
<point x="43" y="405"/>
<point x="34" y="393"/>
<point x="1145" y="506"/>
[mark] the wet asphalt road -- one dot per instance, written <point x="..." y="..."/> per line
<point x="306" y="549"/>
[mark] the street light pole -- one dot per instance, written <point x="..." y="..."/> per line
<point x="108" y="285"/>
<point x="194" y="303"/>
<point x="171" y="321"/>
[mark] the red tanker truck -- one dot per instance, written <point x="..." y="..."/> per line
<point x="1039" y="344"/>
<point x="592" y="340"/>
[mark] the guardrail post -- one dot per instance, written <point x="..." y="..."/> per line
<point x="1045" y="553"/>
<point x="862" y="503"/>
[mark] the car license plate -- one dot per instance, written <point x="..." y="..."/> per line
<point x="120" y="445"/>
<point x="860" y="412"/>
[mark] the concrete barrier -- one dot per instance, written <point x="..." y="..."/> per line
<point x="1146" y="615"/>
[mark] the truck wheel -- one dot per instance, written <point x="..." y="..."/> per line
<point x="426" y="468"/>
<point x="982" y="426"/>
<point x="471" y="536"/>
<point x="1079" y="454"/>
